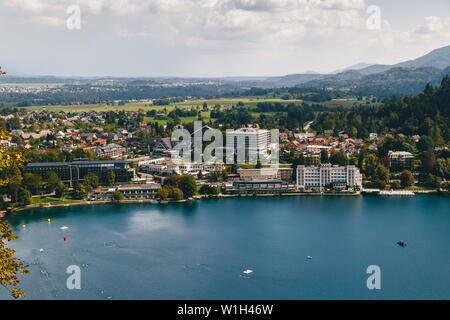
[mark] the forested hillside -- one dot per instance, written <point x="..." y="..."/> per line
<point x="424" y="114"/>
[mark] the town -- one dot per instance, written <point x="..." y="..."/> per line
<point x="97" y="156"/>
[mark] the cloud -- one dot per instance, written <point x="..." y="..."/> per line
<point x="330" y="33"/>
<point x="434" y="25"/>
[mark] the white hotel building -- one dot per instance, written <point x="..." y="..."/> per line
<point x="252" y="138"/>
<point x="328" y="175"/>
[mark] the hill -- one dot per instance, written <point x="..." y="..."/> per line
<point x="426" y="114"/>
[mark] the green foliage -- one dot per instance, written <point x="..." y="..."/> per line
<point x="91" y="180"/>
<point x="370" y="162"/>
<point x="79" y="192"/>
<point x="176" y="194"/>
<point x="52" y="181"/>
<point x="425" y="143"/>
<point x="324" y="156"/>
<point x="60" y="189"/>
<point x="382" y="173"/>
<point x="433" y="181"/>
<point x="24" y="197"/>
<point x="380" y="184"/>
<point x="426" y="114"/>
<point x="163" y="193"/>
<point x="172" y="180"/>
<point x="32" y="182"/>
<point x="406" y="179"/>
<point x="188" y="185"/>
<point x="10" y="266"/>
<point x="442" y="168"/>
<point x="209" y="190"/>
<point x="396" y="184"/>
<point x="110" y="178"/>
<point x="118" y="196"/>
<point x="339" y="158"/>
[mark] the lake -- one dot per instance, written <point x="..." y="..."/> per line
<point x="199" y="250"/>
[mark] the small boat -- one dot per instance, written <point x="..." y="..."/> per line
<point x="190" y="199"/>
<point x="64" y="228"/>
<point x="247" y="272"/>
<point x="309" y="257"/>
<point x="41" y="250"/>
<point x="164" y="202"/>
<point x="402" y="243"/>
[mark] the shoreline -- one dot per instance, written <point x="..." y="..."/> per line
<point x="206" y="197"/>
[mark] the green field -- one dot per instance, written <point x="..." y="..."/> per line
<point x="249" y="103"/>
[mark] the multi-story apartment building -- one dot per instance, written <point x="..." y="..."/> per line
<point x="255" y="140"/>
<point x="6" y="145"/>
<point x="111" y="150"/>
<point x="401" y="160"/>
<point x="284" y="174"/>
<point x="328" y="175"/>
<point x="74" y="172"/>
<point x="168" y="167"/>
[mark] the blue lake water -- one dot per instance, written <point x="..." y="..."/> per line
<point x="199" y="250"/>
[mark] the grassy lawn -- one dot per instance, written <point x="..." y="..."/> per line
<point x="53" y="201"/>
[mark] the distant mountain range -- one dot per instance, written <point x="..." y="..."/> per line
<point x="362" y="79"/>
<point x="409" y="77"/>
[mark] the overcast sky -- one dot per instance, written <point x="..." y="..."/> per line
<point x="214" y="37"/>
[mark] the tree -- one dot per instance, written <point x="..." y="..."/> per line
<point x="381" y="184"/>
<point x="91" y="180"/>
<point x="369" y="164"/>
<point x="208" y="190"/>
<point x="24" y="197"/>
<point x="188" y="185"/>
<point x="163" y="193"/>
<point x="429" y="161"/>
<point x="433" y="181"/>
<point x="172" y="180"/>
<point x="32" y="182"/>
<point x="60" y="189"/>
<point x="406" y="179"/>
<point x="425" y="143"/>
<point x="442" y="168"/>
<point x="14" y="178"/>
<point x="79" y="192"/>
<point x="338" y="158"/>
<point x="110" y="178"/>
<point x="3" y="204"/>
<point x="396" y="184"/>
<point x="381" y="173"/>
<point x="52" y="181"/>
<point x="176" y="194"/>
<point x="324" y="156"/>
<point x="118" y="196"/>
<point x="10" y="266"/>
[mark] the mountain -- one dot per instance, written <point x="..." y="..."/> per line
<point x="405" y="78"/>
<point x="395" y="81"/>
<point x="439" y="58"/>
<point x="357" y="66"/>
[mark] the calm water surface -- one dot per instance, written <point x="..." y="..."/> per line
<point x="199" y="250"/>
